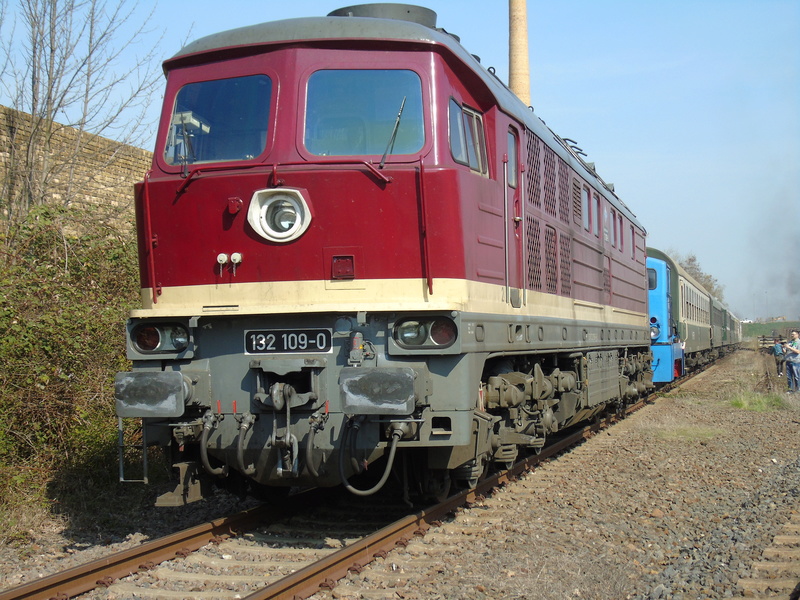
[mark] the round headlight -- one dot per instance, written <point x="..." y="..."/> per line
<point x="443" y="332"/>
<point x="412" y="333"/>
<point x="281" y="216"/>
<point x="146" y="338"/>
<point x="654" y="332"/>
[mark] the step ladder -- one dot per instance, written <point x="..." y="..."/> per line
<point x="121" y="446"/>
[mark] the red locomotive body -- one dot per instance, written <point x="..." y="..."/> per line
<point x="352" y="227"/>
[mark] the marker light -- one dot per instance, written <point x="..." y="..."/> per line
<point x="429" y="332"/>
<point x="160" y="337"/>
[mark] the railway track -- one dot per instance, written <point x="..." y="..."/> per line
<point x="295" y="556"/>
<point x="266" y="554"/>
<point x="777" y="575"/>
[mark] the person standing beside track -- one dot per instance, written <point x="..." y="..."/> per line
<point x="792" y="350"/>
<point x="780" y="357"/>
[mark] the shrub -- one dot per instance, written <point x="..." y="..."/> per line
<point x="67" y="286"/>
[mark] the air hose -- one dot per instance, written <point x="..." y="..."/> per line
<point x="396" y="435"/>
<point x="208" y="425"/>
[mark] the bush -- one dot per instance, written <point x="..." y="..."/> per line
<point x="67" y="287"/>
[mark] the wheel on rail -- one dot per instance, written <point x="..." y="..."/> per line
<point x="436" y="485"/>
<point x="470" y="474"/>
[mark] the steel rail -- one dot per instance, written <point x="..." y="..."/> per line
<point x="83" y="578"/>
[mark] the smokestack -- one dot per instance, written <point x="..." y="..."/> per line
<point x="519" y="72"/>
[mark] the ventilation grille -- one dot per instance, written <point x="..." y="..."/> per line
<point x="563" y="191"/>
<point x="534" y="254"/>
<point x="551" y="259"/>
<point x="550" y="182"/>
<point x="565" y="258"/>
<point x="577" y="211"/>
<point x="534" y="181"/>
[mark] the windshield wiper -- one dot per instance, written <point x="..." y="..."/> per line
<point x="390" y="145"/>
<point x="187" y="138"/>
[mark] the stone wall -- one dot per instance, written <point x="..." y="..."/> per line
<point x="82" y="169"/>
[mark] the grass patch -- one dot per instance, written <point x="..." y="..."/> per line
<point x="688" y="432"/>
<point x="758" y="402"/>
<point x="674" y="427"/>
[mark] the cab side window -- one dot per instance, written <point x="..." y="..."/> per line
<point x="652" y="279"/>
<point x="467" y="138"/>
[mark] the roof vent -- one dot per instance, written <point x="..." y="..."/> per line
<point x="400" y="12"/>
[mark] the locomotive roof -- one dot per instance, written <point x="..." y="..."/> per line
<point x="310" y="29"/>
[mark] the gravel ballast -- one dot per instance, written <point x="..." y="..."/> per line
<point x="676" y="502"/>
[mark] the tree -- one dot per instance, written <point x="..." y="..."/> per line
<point x="712" y="286"/>
<point x="66" y="75"/>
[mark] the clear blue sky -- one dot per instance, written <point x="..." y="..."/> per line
<point x="690" y="107"/>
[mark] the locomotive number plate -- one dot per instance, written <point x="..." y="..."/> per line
<point x="287" y="341"/>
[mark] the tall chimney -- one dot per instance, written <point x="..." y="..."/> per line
<point x="519" y="73"/>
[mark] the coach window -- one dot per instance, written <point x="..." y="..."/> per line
<point x="467" y="139"/>
<point x="513" y="163"/>
<point x="364" y="111"/>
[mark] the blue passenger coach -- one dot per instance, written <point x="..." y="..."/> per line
<point x="666" y="346"/>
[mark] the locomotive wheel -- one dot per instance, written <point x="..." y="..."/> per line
<point x="468" y="478"/>
<point x="436" y="484"/>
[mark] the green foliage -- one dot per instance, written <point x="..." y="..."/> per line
<point x="712" y="286"/>
<point x="758" y="402"/>
<point x="67" y="288"/>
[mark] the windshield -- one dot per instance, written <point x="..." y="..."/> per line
<point x="220" y="120"/>
<point x="356" y="112"/>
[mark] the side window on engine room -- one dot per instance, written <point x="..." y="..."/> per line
<point x="467" y="139"/>
<point x="586" y="208"/>
<point x="513" y="163"/>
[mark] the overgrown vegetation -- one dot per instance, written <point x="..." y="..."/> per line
<point x="758" y="402"/>
<point x="67" y="287"/>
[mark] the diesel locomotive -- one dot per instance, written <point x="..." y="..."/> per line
<point x="362" y="257"/>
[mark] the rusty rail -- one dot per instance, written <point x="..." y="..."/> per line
<point x="84" y="578"/>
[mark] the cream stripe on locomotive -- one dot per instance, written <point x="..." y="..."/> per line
<point x="397" y="295"/>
